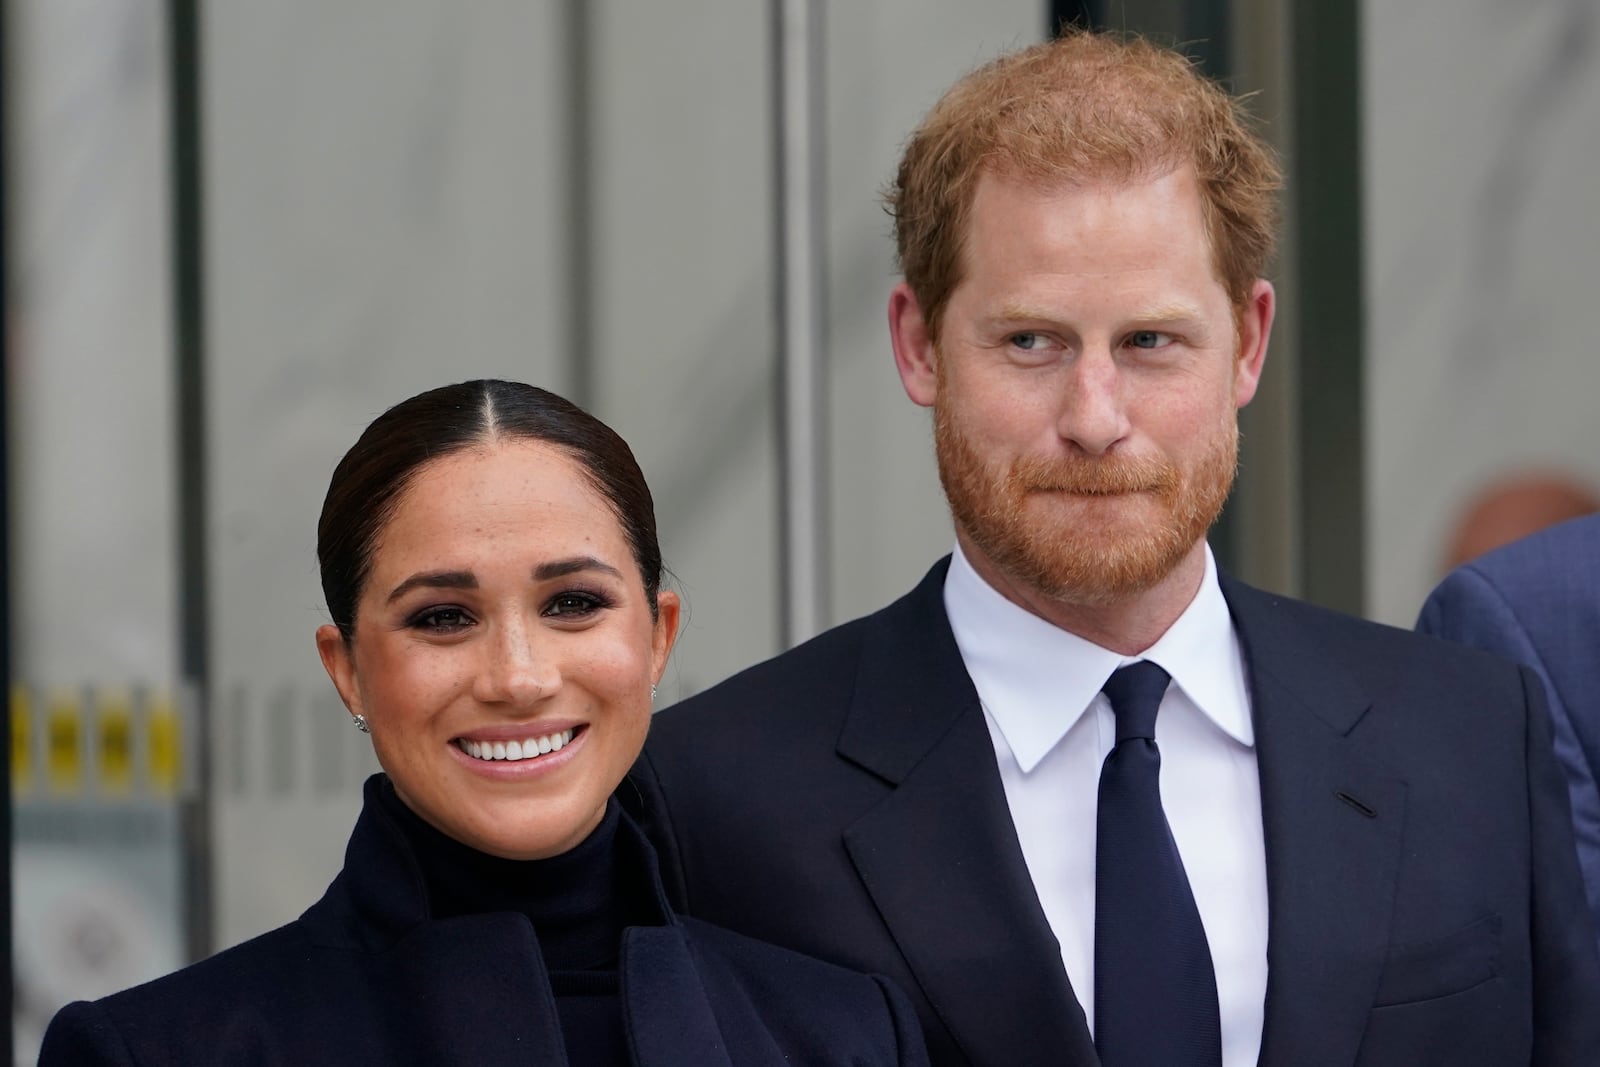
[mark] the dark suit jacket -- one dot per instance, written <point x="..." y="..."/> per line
<point x="1537" y="602"/>
<point x="843" y="799"/>
<point x="366" y="977"/>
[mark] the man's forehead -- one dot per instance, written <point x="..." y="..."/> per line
<point x="1045" y="181"/>
<point x="1084" y="199"/>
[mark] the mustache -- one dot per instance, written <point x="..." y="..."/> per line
<point x="1089" y="476"/>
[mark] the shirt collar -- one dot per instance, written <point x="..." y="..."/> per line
<point x="1036" y="680"/>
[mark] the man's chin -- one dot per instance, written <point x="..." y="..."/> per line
<point x="1107" y="514"/>
<point x="1103" y="579"/>
<point x="1105" y="561"/>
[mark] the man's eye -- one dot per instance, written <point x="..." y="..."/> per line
<point x="1149" y="339"/>
<point x="1028" y="342"/>
<point x="441" y="620"/>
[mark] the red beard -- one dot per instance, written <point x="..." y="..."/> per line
<point x="1079" y="529"/>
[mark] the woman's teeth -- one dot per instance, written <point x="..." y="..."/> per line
<point x="514" y="750"/>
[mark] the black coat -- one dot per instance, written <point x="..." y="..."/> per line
<point x="367" y="977"/>
<point x="1424" y="901"/>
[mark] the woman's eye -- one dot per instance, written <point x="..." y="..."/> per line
<point x="441" y="620"/>
<point x="1149" y="339"/>
<point x="574" y="605"/>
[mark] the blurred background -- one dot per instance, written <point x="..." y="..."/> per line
<point x="236" y="232"/>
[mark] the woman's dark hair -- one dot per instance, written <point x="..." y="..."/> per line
<point x="368" y="481"/>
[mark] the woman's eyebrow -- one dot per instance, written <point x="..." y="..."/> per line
<point x="435" y="580"/>
<point x="560" y="568"/>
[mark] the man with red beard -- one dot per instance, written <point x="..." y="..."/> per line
<point x="1088" y="800"/>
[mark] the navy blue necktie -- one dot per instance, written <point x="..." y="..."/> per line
<point x="1155" y="992"/>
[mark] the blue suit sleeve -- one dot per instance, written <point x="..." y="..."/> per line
<point x="1566" y="966"/>
<point x="1469" y="608"/>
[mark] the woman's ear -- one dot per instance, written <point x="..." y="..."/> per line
<point x="665" y="633"/>
<point x="340" y="665"/>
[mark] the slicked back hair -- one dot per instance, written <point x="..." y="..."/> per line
<point x="368" y="482"/>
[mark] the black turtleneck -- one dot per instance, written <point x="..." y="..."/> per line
<point x="579" y="902"/>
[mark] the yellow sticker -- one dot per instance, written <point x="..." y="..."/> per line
<point x="114" y="734"/>
<point x="21" y="738"/>
<point x="63" y="733"/>
<point x="166" y="748"/>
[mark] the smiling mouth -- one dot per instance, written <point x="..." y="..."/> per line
<point x="512" y="751"/>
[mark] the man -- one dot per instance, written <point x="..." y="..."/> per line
<point x="1324" y="842"/>
<point x="1537" y="602"/>
<point x="1510" y="508"/>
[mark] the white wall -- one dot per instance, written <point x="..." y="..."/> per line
<point x="1482" y="250"/>
<point x="93" y="515"/>
<point x="92" y="471"/>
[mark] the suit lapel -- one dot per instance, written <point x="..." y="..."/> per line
<point x="1333" y="817"/>
<point x="939" y="855"/>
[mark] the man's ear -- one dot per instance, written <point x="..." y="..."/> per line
<point x="340" y="665"/>
<point x="914" y="355"/>
<point x="1255" y="325"/>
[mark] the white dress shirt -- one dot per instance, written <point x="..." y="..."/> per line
<point x="1052" y="729"/>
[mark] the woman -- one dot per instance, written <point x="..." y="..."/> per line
<point x="489" y="559"/>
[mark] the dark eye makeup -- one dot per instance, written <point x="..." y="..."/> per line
<point x="576" y="604"/>
<point x="569" y="605"/>
<point x="440" y="620"/>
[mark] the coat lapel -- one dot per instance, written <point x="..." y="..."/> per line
<point x="669" y="1020"/>
<point x="939" y="855"/>
<point x="379" y="905"/>
<point x="1333" y="816"/>
<point x="506" y="1014"/>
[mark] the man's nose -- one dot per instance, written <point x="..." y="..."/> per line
<point x="1093" y="415"/>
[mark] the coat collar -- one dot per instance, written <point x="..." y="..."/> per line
<point x="382" y="883"/>
<point x="506" y="1012"/>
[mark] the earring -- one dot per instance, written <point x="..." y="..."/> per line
<point x="361" y="723"/>
<point x="652" y="692"/>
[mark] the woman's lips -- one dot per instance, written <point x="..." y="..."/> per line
<point x="517" y="751"/>
<point x="528" y="746"/>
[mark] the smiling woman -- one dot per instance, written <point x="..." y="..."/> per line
<point x="490" y="564"/>
<point x="502" y="631"/>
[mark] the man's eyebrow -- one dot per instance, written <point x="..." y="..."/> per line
<point x="1174" y="312"/>
<point x="435" y="580"/>
<point x="1177" y="311"/>
<point x="1013" y="312"/>
<point x="560" y="568"/>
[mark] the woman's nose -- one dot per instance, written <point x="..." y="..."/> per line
<point x="518" y="672"/>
